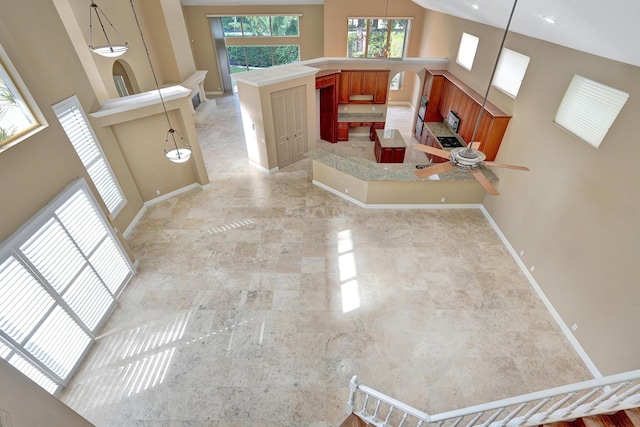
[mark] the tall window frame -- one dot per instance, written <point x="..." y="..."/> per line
<point x="20" y="116"/>
<point x="376" y="38"/>
<point x="60" y="276"/>
<point x="260" y="25"/>
<point x="512" y="66"/>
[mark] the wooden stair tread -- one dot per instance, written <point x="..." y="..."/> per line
<point x="618" y="419"/>
<point x="559" y="424"/>
<point x="634" y="416"/>
<point x="354" y="421"/>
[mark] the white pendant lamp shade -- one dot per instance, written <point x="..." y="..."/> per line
<point x="111" y="48"/>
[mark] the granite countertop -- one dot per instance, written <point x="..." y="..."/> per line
<point x="368" y="170"/>
<point x="390" y="138"/>
<point x="360" y="117"/>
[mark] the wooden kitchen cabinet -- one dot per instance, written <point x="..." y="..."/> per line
<point x="446" y="92"/>
<point x="374" y="126"/>
<point x="372" y="84"/>
<point x="429" y="139"/>
<point x="343" y="131"/>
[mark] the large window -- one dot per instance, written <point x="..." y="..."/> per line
<point x="19" y="116"/>
<point x="377" y="38"/>
<point x="59" y="278"/>
<point x="589" y="108"/>
<point x="261" y="26"/>
<point x="245" y="58"/>
<point x="80" y="133"/>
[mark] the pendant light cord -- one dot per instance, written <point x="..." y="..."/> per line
<point x="155" y="79"/>
<point x="493" y="73"/>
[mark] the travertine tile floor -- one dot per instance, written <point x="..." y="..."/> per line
<point x="257" y="300"/>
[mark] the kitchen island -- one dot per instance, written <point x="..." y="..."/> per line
<point x="389" y="146"/>
<point x="371" y="184"/>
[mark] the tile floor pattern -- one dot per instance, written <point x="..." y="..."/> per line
<point x="256" y="301"/>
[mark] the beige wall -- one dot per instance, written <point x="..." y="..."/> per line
<point x="336" y="13"/>
<point x="29" y="404"/>
<point x="310" y="40"/>
<point x="575" y="214"/>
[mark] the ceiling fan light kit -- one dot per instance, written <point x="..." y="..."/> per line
<point x="469" y="158"/>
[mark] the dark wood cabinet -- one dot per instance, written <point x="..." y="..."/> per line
<point x="374" y="126"/>
<point x="327" y="84"/>
<point x="445" y="93"/>
<point x="344" y="87"/>
<point x="343" y="131"/>
<point x="367" y="86"/>
<point x="428" y="138"/>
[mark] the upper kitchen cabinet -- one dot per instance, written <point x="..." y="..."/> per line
<point x="445" y="92"/>
<point x="363" y="87"/>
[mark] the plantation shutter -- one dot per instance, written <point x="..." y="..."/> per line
<point x="511" y="69"/>
<point x="589" y="108"/>
<point x="84" y="141"/>
<point x="59" y="278"/>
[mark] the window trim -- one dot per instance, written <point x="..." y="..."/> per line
<point x="13" y="78"/>
<point x="465" y="39"/>
<point x="580" y="114"/>
<point x="270" y="15"/>
<point x="73" y="103"/>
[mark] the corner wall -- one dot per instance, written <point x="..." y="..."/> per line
<point x="575" y="213"/>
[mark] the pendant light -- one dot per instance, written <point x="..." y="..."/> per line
<point x="109" y="50"/>
<point x="173" y="150"/>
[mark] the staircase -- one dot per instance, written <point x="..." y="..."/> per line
<point x="610" y="401"/>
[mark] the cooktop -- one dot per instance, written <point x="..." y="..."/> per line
<point x="449" y="141"/>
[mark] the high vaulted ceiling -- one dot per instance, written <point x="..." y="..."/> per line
<point x="605" y="28"/>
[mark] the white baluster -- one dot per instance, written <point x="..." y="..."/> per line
<point x="375" y="413"/>
<point x="404" y="420"/>
<point x="514" y="413"/>
<point x="580" y="401"/>
<point x="386" y="420"/>
<point x="476" y="418"/>
<point x="557" y="405"/>
<point x="605" y="396"/>
<point x="493" y="417"/>
<point x="534" y="410"/>
<point x="627" y="394"/>
<point x="353" y="386"/>
<point x="457" y="422"/>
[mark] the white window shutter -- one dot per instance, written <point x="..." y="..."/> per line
<point x="589" y="108"/>
<point x="511" y="69"/>
<point x="467" y="50"/>
<point x="84" y="141"/>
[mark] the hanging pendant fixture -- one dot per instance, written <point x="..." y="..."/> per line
<point x="175" y="149"/>
<point x="110" y="49"/>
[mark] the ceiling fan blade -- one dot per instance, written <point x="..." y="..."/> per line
<point x="484" y="182"/>
<point x="432" y="150"/>
<point x="476" y="145"/>
<point x="432" y="170"/>
<point x="501" y="165"/>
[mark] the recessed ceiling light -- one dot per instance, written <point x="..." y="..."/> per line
<point x="475" y="6"/>
<point x="549" y="19"/>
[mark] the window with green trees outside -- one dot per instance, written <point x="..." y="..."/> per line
<point x="376" y="37"/>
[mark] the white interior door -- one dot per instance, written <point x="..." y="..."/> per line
<point x="290" y="124"/>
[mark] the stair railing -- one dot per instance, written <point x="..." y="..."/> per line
<point x="598" y="396"/>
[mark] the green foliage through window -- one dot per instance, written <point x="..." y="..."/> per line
<point x="15" y="116"/>
<point x="376" y="38"/>
<point x="245" y="58"/>
<point x="261" y="26"/>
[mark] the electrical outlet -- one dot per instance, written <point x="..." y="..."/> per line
<point x="373" y="108"/>
<point x="442" y="200"/>
<point x="157" y="192"/>
<point x="574" y="327"/>
<point x="532" y="268"/>
<point x="346" y="190"/>
<point x="521" y="252"/>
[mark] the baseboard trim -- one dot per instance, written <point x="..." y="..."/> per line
<point x="395" y="206"/>
<point x="262" y="168"/>
<point x="554" y="313"/>
<point x="145" y="205"/>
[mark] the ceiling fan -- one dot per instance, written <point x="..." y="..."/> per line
<point x="463" y="158"/>
<point x="469" y="158"/>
